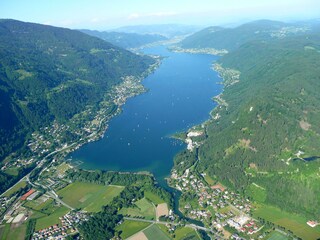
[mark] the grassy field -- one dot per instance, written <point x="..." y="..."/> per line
<point x="209" y="180"/>
<point x="297" y="224"/>
<point x="164" y="229"/>
<point x="259" y="194"/>
<point x="276" y="236"/>
<point x="52" y="219"/>
<point x="128" y="228"/>
<point x="16" y="188"/>
<point x="88" y="196"/>
<point x="143" y="208"/>
<point x="153" y="197"/>
<point x="4" y="231"/>
<point x="154" y="232"/>
<point x="39" y="207"/>
<point x="17" y="233"/>
<point x="12" y="171"/>
<point x="185" y="232"/>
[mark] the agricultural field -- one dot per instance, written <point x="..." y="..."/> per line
<point x="4" y="231"/>
<point x="89" y="196"/>
<point x="143" y="208"/>
<point x="10" y="231"/>
<point x="154" y="232"/>
<point x="276" y="236"/>
<point x="297" y="224"/>
<point x="16" y="188"/>
<point x="153" y="197"/>
<point x="162" y="210"/>
<point x="52" y="219"/>
<point x="39" y="204"/>
<point x="128" y="228"/>
<point x="164" y="229"/>
<point x="185" y="233"/>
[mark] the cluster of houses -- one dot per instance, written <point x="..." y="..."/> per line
<point x="53" y="232"/>
<point x="244" y="224"/>
<point x="17" y="163"/>
<point x="66" y="226"/>
<point x="217" y="197"/>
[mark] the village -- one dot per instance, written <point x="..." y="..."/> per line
<point x="217" y="206"/>
<point x="87" y="126"/>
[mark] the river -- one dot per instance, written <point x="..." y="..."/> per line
<point x="179" y="96"/>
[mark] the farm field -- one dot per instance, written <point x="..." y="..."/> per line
<point x="89" y="196"/>
<point x="276" y="236"/>
<point x="297" y="224"/>
<point x="144" y="208"/>
<point x="52" y="219"/>
<point x="162" y="210"/>
<point x="128" y="228"/>
<point x="35" y="205"/>
<point x="153" y="197"/>
<point x="4" y="231"/>
<point x="154" y="232"/>
<point x="185" y="232"/>
<point x="17" y="233"/>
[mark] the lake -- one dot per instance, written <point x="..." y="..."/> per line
<point x="179" y="96"/>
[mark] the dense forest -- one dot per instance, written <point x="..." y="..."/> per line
<point x="126" y="40"/>
<point x="101" y="225"/>
<point x="49" y="73"/>
<point x="268" y="134"/>
<point x="106" y="177"/>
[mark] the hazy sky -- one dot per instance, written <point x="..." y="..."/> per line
<point x="105" y="14"/>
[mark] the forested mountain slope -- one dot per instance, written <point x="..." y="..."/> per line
<point x="232" y="38"/>
<point x="266" y="131"/>
<point x="126" y="40"/>
<point x="49" y="73"/>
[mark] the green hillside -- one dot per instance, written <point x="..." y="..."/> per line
<point x="268" y="133"/>
<point x="126" y="40"/>
<point x="49" y="73"/>
<point x="232" y="38"/>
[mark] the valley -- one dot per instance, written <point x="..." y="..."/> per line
<point x="196" y="140"/>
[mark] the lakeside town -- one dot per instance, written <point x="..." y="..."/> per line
<point x="215" y="205"/>
<point x="220" y="209"/>
<point x="58" y="140"/>
<point x="211" y="51"/>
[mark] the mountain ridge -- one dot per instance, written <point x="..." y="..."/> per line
<point x="52" y="73"/>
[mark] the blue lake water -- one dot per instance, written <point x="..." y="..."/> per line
<point x="179" y="96"/>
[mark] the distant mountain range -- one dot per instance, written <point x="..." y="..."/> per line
<point x="232" y="38"/>
<point x="167" y="30"/>
<point x="126" y="40"/>
<point x="49" y="73"/>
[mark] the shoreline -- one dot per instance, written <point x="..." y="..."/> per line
<point x="210" y="51"/>
<point x="41" y="159"/>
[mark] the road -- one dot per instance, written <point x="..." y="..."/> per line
<point x="26" y="177"/>
<point x="51" y="193"/>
